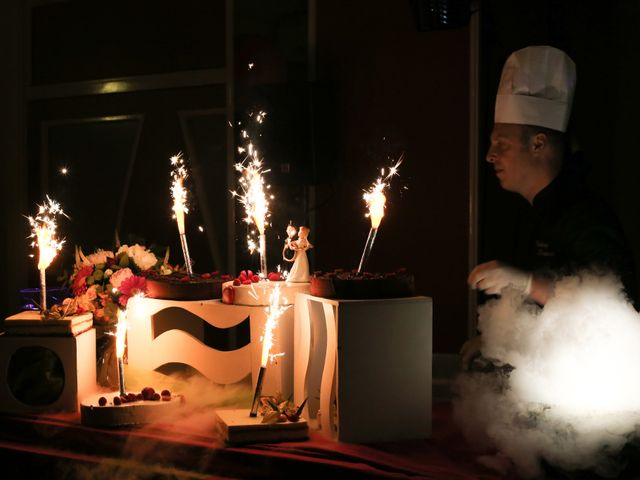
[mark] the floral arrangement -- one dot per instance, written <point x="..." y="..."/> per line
<point x="104" y="281"/>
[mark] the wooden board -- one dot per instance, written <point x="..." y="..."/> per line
<point x="237" y="427"/>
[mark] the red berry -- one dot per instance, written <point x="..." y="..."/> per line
<point x="102" y="401"/>
<point x="228" y="295"/>
<point x="124" y="399"/>
<point x="247" y="282"/>
<point x="236" y="283"/>
<point x="139" y="397"/>
<point x="156" y="397"/>
<point x="185" y="278"/>
<point x="131" y="397"/>
<point x="274" y="276"/>
<point x="243" y="273"/>
<point x="206" y="275"/>
<point x="242" y="278"/>
<point x="117" y="401"/>
<point x="225" y="277"/>
<point x="165" y="392"/>
<point x="255" y="278"/>
<point x="215" y="274"/>
<point x="249" y="273"/>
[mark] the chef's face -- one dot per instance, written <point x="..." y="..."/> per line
<point x="510" y="155"/>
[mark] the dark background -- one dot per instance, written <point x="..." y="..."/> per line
<point x="348" y="86"/>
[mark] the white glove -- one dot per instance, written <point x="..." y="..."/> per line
<point x="492" y="277"/>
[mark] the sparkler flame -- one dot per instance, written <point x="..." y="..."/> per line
<point x="178" y="192"/>
<point x="375" y="198"/>
<point x="43" y="231"/>
<point x="274" y="311"/>
<point x="121" y="330"/>
<point x="253" y="196"/>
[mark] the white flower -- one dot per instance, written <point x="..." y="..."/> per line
<point x="142" y="257"/>
<point x="100" y="256"/>
<point x="120" y="276"/>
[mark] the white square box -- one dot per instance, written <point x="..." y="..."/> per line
<point x="365" y="367"/>
<point x="77" y="354"/>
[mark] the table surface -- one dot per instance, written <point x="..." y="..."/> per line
<point x="58" y="446"/>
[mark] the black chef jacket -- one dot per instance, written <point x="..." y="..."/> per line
<point x="570" y="229"/>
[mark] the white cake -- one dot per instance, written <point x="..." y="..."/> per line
<point x="259" y="293"/>
<point x="135" y="413"/>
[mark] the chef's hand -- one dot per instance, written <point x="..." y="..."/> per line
<point x="470" y="350"/>
<point x="492" y="277"/>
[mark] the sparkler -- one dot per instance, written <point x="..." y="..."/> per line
<point x="375" y="199"/>
<point x="179" y="194"/>
<point x="43" y="231"/>
<point x="274" y="310"/>
<point x="121" y="330"/>
<point x="253" y="195"/>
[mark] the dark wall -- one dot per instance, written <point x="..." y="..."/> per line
<point x="604" y="41"/>
<point x="397" y="90"/>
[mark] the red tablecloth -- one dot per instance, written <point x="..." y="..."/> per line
<point x="58" y="446"/>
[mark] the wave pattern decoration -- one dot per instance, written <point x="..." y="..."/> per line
<point x="221" y="339"/>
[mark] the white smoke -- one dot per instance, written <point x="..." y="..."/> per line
<point x="573" y="396"/>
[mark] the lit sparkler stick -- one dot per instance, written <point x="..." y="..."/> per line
<point x="179" y="194"/>
<point x="121" y="331"/>
<point x="274" y="310"/>
<point x="375" y="199"/>
<point x="43" y="231"/>
<point x="253" y="196"/>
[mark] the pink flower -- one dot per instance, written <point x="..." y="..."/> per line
<point x="132" y="286"/>
<point x="79" y="285"/>
<point x="120" y="276"/>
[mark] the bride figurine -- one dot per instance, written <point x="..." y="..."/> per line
<point x="300" y="270"/>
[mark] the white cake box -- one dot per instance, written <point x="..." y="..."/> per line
<point x="365" y="366"/>
<point x="176" y="331"/>
<point x="44" y="353"/>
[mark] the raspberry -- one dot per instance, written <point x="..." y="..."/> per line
<point x="236" y="283"/>
<point x="117" y="401"/>
<point x="139" y="397"/>
<point x="206" y="275"/>
<point x="225" y="277"/>
<point x="131" y="397"/>
<point x="249" y="274"/>
<point x="255" y="278"/>
<point x="215" y="274"/>
<point x="124" y="399"/>
<point x="247" y="282"/>
<point x="156" y="397"/>
<point x="102" y="401"/>
<point x="165" y="392"/>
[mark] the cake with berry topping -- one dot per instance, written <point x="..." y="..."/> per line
<point x="180" y="286"/>
<point x="114" y="409"/>
<point x="340" y="284"/>
<point x="250" y="290"/>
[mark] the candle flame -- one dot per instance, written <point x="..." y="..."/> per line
<point x="43" y="231"/>
<point x="121" y="330"/>
<point x="274" y="311"/>
<point x="375" y="198"/>
<point x="178" y="192"/>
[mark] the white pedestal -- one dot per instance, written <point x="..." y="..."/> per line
<point x="77" y="354"/>
<point x="171" y="331"/>
<point x="365" y="366"/>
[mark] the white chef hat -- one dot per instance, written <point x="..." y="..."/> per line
<point x="536" y="88"/>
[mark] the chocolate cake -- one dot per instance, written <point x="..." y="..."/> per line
<point x="180" y="286"/>
<point x="344" y="285"/>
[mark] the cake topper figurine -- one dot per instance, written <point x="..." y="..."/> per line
<point x="43" y="231"/>
<point x="376" y="200"/>
<point x="300" y="269"/>
<point x="179" y="194"/>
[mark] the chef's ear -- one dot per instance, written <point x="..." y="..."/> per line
<point x="539" y="142"/>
